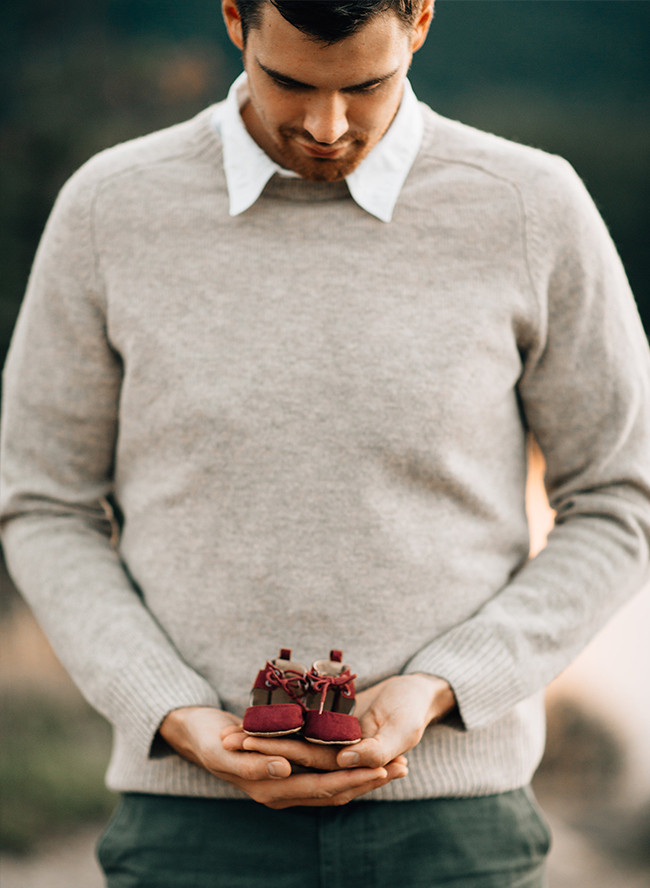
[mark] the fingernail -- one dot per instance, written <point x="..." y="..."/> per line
<point x="275" y="769"/>
<point x="349" y="759"/>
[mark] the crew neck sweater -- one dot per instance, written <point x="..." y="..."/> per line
<point x="315" y="424"/>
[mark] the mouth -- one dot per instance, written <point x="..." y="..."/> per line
<point x="323" y="153"/>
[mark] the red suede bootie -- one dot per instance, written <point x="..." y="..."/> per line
<point x="330" y="702"/>
<point x="276" y="699"/>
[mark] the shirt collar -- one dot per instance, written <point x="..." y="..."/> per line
<point x="375" y="184"/>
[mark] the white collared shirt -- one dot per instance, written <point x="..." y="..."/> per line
<point x="375" y="184"/>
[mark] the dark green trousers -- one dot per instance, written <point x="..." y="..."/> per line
<point x="497" y="841"/>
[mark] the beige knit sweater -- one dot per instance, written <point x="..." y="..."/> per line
<point x="314" y="424"/>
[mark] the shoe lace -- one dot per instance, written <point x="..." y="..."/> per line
<point x="291" y="681"/>
<point x="324" y="683"/>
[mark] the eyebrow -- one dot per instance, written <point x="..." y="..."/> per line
<point x="283" y="78"/>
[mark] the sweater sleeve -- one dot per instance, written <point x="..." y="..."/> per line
<point x="585" y="394"/>
<point x="60" y="424"/>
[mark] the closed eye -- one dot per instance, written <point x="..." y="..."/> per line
<point x="369" y="88"/>
<point x="291" y="85"/>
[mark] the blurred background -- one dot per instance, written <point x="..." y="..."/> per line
<point x="570" y="77"/>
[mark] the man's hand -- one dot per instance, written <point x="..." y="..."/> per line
<point x="393" y="714"/>
<point x="211" y="739"/>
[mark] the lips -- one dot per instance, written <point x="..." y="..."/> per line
<point x="322" y="152"/>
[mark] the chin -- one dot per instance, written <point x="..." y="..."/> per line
<point x="323" y="169"/>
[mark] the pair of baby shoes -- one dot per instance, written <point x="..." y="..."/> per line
<point x="288" y="698"/>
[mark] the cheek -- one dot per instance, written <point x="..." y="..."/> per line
<point x="370" y="121"/>
<point x="283" y="111"/>
<point x="373" y="115"/>
<point x="273" y="107"/>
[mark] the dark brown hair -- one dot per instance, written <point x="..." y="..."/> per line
<point x="327" y="21"/>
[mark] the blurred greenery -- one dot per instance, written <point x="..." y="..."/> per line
<point x="52" y="761"/>
<point x="571" y="77"/>
<point x="80" y="75"/>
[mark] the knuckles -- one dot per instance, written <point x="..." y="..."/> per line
<point x="251" y="771"/>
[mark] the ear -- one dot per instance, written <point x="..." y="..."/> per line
<point x="421" y="26"/>
<point x="233" y="22"/>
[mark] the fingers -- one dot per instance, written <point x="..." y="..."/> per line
<point x="393" y="771"/>
<point x="372" y="752"/>
<point x="244" y="765"/>
<point x="233" y="738"/>
<point x="397" y="768"/>
<point x="232" y="729"/>
<point x="308" y="755"/>
<point x="254" y="764"/>
<point x="379" y="745"/>
<point x="395" y="721"/>
<point x="313" y="789"/>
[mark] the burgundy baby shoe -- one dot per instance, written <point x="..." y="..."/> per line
<point x="276" y="699"/>
<point x="329" y="703"/>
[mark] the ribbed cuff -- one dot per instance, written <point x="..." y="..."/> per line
<point x="480" y="669"/>
<point x="139" y="699"/>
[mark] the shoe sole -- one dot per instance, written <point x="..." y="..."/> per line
<point x="272" y="733"/>
<point x="333" y="742"/>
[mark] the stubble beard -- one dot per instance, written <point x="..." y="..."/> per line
<point x="318" y="169"/>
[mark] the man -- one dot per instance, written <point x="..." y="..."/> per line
<point x="301" y="340"/>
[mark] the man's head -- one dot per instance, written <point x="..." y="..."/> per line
<point x="325" y="75"/>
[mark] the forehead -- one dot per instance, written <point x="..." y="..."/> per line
<point x="379" y="47"/>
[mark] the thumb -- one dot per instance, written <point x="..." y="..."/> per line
<point x="374" y="751"/>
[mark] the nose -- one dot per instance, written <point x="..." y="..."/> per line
<point x="326" y="118"/>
